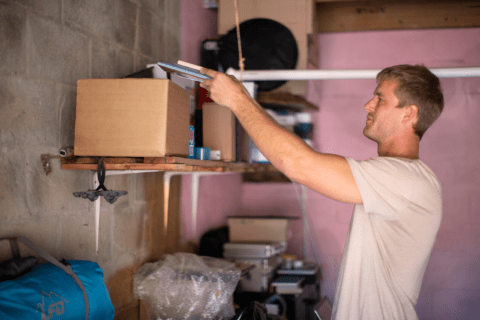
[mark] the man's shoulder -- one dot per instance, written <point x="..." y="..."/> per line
<point x="400" y="169"/>
<point x="391" y="181"/>
<point x="394" y="163"/>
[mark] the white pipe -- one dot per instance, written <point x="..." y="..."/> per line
<point x="277" y="75"/>
<point x="194" y="194"/>
<point x="306" y="227"/>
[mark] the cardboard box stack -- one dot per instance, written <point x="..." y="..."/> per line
<point x="259" y="241"/>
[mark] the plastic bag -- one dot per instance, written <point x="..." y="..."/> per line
<point x="187" y="286"/>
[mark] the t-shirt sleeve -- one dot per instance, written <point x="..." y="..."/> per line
<point x="386" y="187"/>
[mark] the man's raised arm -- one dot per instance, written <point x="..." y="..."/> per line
<point x="327" y="174"/>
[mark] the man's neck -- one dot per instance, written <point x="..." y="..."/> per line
<point x="403" y="148"/>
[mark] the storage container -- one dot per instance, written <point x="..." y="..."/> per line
<point x="264" y="256"/>
<point x="219" y="130"/>
<point x="258" y="229"/>
<point x="131" y="118"/>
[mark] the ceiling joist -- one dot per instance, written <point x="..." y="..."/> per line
<point x="341" y="16"/>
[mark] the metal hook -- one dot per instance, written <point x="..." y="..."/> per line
<point x="110" y="195"/>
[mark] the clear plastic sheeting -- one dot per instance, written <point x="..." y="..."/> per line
<point x="187" y="286"/>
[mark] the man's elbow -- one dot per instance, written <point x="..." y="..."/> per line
<point x="294" y="168"/>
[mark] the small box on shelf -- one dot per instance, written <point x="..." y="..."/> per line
<point x="219" y="130"/>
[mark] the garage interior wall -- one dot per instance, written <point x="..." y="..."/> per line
<point x="46" y="46"/>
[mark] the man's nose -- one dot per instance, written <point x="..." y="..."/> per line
<point x="370" y="105"/>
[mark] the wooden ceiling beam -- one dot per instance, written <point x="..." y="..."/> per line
<point x="355" y="15"/>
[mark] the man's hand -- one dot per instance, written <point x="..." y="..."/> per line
<point x="224" y="89"/>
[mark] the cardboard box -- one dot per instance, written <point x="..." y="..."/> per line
<point x="219" y="130"/>
<point x="131" y="118"/>
<point x="258" y="229"/>
<point x="185" y="83"/>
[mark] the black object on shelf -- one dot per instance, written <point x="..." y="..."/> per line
<point x="209" y="54"/>
<point x="145" y="73"/>
<point x="266" y="45"/>
<point x="211" y="243"/>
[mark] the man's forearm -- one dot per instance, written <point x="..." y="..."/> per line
<point x="325" y="173"/>
<point x="281" y="147"/>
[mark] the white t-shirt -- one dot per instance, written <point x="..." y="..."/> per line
<point x="390" y="239"/>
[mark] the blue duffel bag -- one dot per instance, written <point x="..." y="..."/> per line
<point x="69" y="290"/>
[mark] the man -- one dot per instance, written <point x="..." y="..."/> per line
<point x="398" y="198"/>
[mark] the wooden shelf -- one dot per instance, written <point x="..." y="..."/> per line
<point x="284" y="100"/>
<point x="163" y="164"/>
<point x="266" y="175"/>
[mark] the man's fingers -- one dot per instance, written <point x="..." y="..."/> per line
<point x="206" y="83"/>
<point x="208" y="72"/>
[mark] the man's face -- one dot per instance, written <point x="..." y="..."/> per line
<point x="384" y="118"/>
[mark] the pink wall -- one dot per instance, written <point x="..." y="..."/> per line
<point x="451" y="288"/>
<point x="197" y="24"/>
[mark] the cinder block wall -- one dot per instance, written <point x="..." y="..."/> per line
<point x="45" y="47"/>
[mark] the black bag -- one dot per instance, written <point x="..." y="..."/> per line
<point x="16" y="266"/>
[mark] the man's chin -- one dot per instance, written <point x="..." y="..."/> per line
<point x="365" y="132"/>
<point x="368" y="135"/>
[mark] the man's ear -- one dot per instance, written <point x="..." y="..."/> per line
<point x="410" y="114"/>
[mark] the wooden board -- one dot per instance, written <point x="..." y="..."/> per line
<point x="339" y="16"/>
<point x="284" y="100"/>
<point x="254" y="172"/>
<point x="161" y="164"/>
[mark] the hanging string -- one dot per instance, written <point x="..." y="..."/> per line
<point x="240" y="58"/>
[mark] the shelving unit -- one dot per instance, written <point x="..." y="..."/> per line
<point x="171" y="166"/>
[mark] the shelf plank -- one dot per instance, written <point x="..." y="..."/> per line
<point x="284" y="100"/>
<point x="160" y="163"/>
<point x="194" y="162"/>
<point x="252" y="172"/>
<point x="126" y="166"/>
